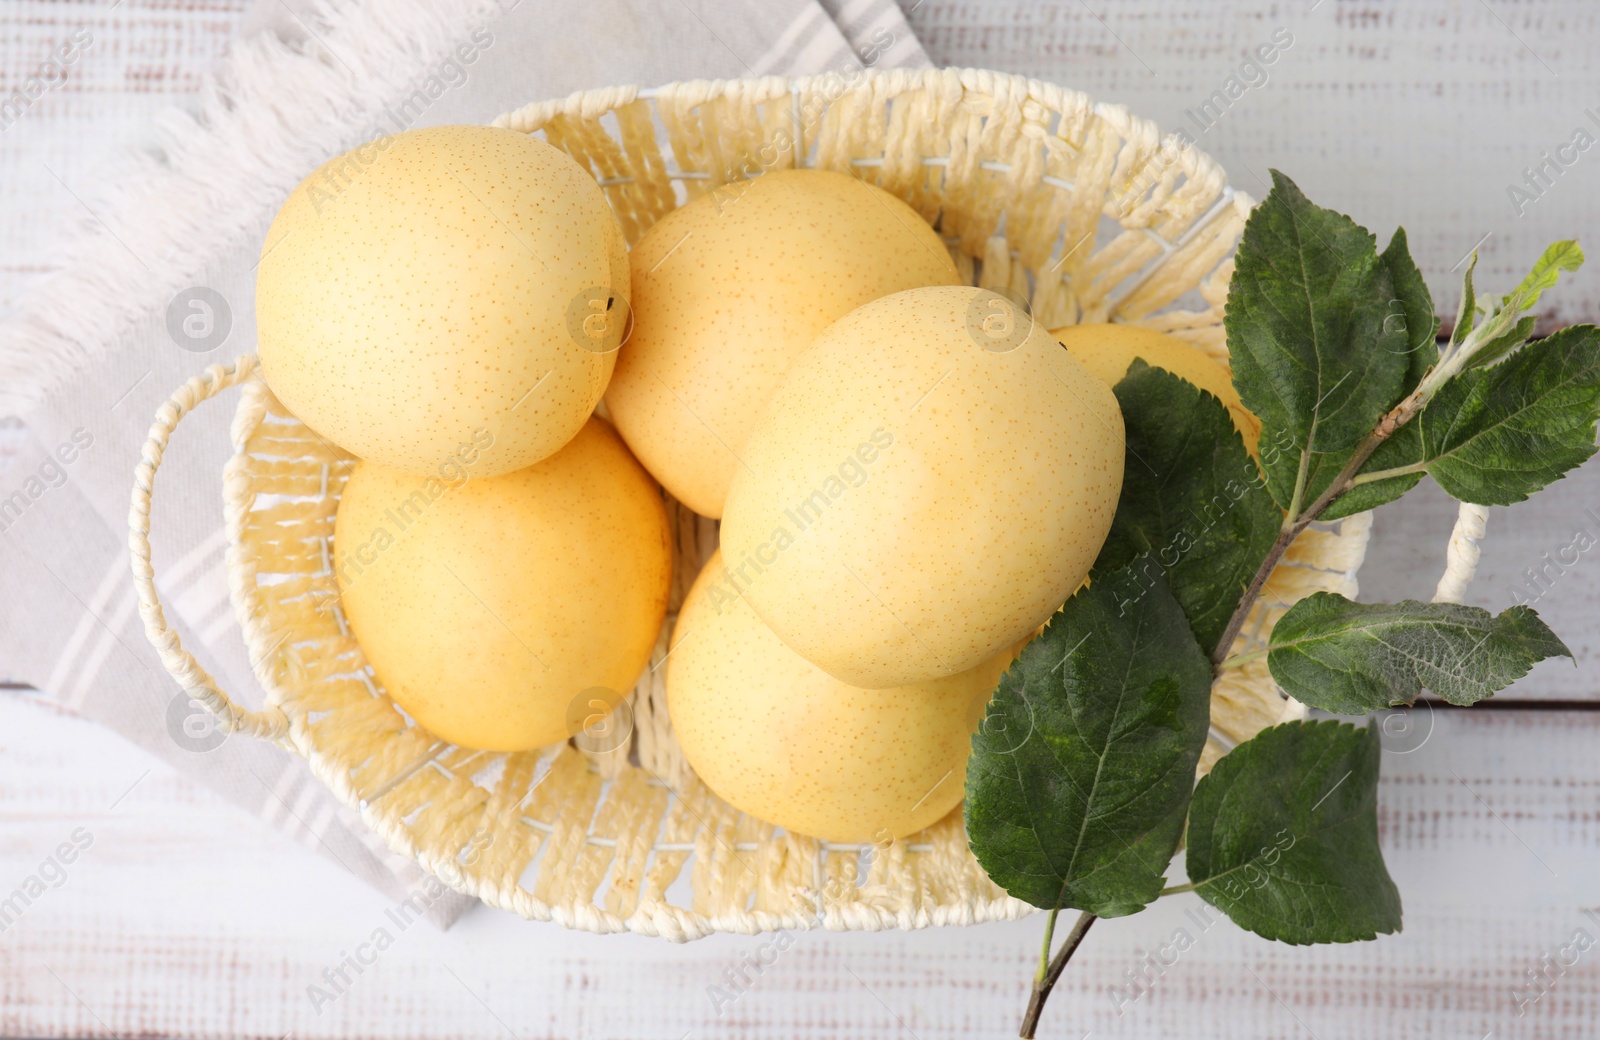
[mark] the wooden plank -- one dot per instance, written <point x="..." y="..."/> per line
<point x="1523" y="561"/>
<point x="1422" y="113"/>
<point x="186" y="918"/>
<point x="127" y="62"/>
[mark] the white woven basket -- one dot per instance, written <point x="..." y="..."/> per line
<point x="1038" y="190"/>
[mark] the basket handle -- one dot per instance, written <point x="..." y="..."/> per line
<point x="1461" y="556"/>
<point x="270" y="723"/>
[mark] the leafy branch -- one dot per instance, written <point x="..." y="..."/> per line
<point x="1479" y="338"/>
<point x="1079" y="790"/>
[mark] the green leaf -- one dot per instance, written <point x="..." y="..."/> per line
<point x="1496" y="435"/>
<point x="1352" y="658"/>
<point x="1402" y="449"/>
<point x="1467" y="312"/>
<point x="1193" y="499"/>
<point x="1082" y="769"/>
<point x="1412" y="307"/>
<point x="1283" y="836"/>
<point x="1503" y="344"/>
<point x="1503" y="331"/>
<point x="1314" y="353"/>
<point x="1415" y="306"/>
<point x="1560" y="256"/>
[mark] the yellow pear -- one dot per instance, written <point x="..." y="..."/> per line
<point x="1108" y="350"/>
<point x="441" y="284"/>
<point x="729" y="289"/>
<point x="491" y="608"/>
<point x="932" y="480"/>
<point x="780" y="739"/>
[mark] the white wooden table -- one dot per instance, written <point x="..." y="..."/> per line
<point x="185" y="918"/>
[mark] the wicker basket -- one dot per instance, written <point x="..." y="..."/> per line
<point x="1038" y="190"/>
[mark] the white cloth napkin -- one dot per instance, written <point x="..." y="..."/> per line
<point x="94" y="348"/>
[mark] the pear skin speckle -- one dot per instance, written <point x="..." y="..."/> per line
<point x="490" y="606"/>
<point x="787" y="743"/>
<point x="416" y="291"/>
<point x="1107" y="350"/>
<point x="729" y="290"/>
<point x="912" y="500"/>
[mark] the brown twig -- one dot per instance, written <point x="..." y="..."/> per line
<point x="1397" y="417"/>
<point x="1058" y="964"/>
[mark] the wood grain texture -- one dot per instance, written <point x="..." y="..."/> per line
<point x="1523" y="561"/>
<point x="186" y="918"/>
<point x="1421" y="112"/>
<point x="144" y="56"/>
